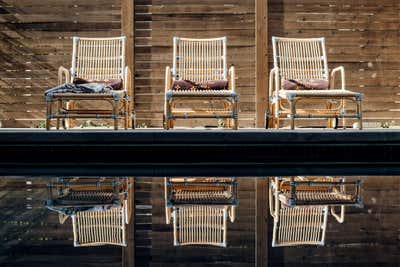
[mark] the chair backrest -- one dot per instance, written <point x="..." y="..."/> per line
<point x="98" y="58"/>
<point x="303" y="225"/>
<point x="102" y="227"/>
<point x="300" y="58"/>
<point x="200" y="225"/>
<point x="199" y="60"/>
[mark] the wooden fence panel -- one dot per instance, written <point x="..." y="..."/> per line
<point x="363" y="36"/>
<point x="157" y="22"/>
<point x="35" y="39"/>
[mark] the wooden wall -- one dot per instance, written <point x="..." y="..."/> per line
<point x="32" y="236"/>
<point x="35" y="39"/>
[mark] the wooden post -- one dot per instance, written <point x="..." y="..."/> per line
<point x="128" y="252"/>
<point x="128" y="29"/>
<point x="261" y="61"/>
<point x="262" y="238"/>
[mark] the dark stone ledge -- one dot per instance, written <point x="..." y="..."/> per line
<point x="200" y="152"/>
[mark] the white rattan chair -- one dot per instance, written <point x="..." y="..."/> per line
<point x="99" y="211"/>
<point x="299" y="225"/>
<point x="95" y="59"/>
<point x="199" y="210"/>
<point x="299" y="59"/>
<point x="200" y="60"/>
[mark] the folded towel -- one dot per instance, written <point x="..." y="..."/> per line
<point x="116" y="84"/>
<point x="84" y="88"/>
<point x="305" y="84"/>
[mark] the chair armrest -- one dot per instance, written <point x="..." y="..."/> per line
<point x="63" y="72"/>
<point x="232" y="213"/>
<point x="271" y="200"/>
<point x="339" y="217"/>
<point x="342" y="77"/>
<point x="272" y="86"/>
<point x="168" y="78"/>
<point x="232" y="77"/>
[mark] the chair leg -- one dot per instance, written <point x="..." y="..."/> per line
<point x="133" y="119"/>
<point x="70" y="105"/>
<point x="115" y="113"/>
<point x="49" y="114"/>
<point x="267" y="120"/>
<point x="292" y="114"/>
<point x="165" y="122"/>
<point x="359" y="113"/>
<point x="126" y="114"/>
<point x="228" y="123"/>
<point x="167" y="116"/>
<point x="343" y="112"/>
<point x="277" y="122"/>
<point x="59" y="109"/>
<point x="235" y="125"/>
<point x="329" y="122"/>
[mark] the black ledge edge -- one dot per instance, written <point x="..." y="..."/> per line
<point x="199" y="152"/>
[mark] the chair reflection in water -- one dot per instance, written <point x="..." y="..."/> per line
<point x="199" y="209"/>
<point x="300" y="207"/>
<point x="99" y="209"/>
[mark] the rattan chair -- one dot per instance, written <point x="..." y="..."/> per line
<point x="96" y="59"/>
<point x="199" y="210"/>
<point x="99" y="210"/>
<point x="300" y="206"/>
<point x="200" y="60"/>
<point x="299" y="59"/>
<point x="296" y="226"/>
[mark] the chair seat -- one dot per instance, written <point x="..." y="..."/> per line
<point x="203" y="196"/>
<point x="287" y="94"/>
<point x="201" y="93"/>
<point x="88" y="197"/>
<point x="195" y="112"/>
<point x="318" y="197"/>
<point x="111" y="95"/>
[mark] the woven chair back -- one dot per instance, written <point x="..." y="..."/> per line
<point x="95" y="228"/>
<point x="199" y="60"/>
<point x="98" y="58"/>
<point x="300" y="226"/>
<point x="200" y="225"/>
<point x="300" y="58"/>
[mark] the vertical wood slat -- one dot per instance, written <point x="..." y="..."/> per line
<point x="128" y="252"/>
<point x="261" y="233"/>
<point x="261" y="10"/>
<point x="128" y="30"/>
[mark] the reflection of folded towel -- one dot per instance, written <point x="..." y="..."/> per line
<point x="207" y="85"/>
<point x="305" y="84"/>
<point x="84" y="88"/>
